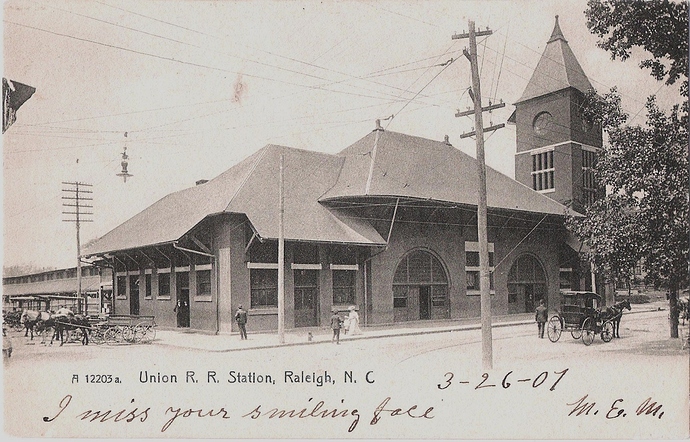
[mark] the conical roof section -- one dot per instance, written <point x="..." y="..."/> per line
<point x="557" y="69"/>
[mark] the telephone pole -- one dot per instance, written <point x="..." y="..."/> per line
<point x="76" y="198"/>
<point x="484" y="275"/>
<point x="281" y="252"/>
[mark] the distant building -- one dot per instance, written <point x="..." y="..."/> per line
<point x="388" y="224"/>
<point x="50" y="289"/>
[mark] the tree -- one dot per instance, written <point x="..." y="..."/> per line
<point x="645" y="213"/>
<point x="658" y="27"/>
<point x="646" y="168"/>
<point x="612" y="236"/>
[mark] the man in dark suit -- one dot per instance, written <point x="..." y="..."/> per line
<point x="540" y="317"/>
<point x="241" y="318"/>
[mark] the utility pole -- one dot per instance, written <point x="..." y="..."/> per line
<point x="74" y="202"/>
<point x="484" y="275"/>
<point x="281" y="254"/>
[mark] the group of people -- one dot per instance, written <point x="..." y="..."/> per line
<point x="349" y="324"/>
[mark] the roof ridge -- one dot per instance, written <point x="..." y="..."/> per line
<point x="249" y="173"/>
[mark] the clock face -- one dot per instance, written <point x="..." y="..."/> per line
<point x="542" y="123"/>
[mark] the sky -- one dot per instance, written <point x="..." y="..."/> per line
<point x="193" y="87"/>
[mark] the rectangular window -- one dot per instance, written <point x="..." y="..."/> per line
<point x="264" y="288"/>
<point x="543" y="171"/>
<point x="399" y="296"/>
<point x="344" y="286"/>
<point x="565" y="277"/>
<point x="473" y="280"/>
<point x="164" y="286"/>
<point x="121" y="287"/>
<point x="147" y="293"/>
<point x="203" y="283"/>
<point x="472" y="267"/>
<point x="589" y="186"/>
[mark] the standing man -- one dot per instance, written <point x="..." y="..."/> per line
<point x="540" y="317"/>
<point x="241" y="318"/>
<point x="336" y="323"/>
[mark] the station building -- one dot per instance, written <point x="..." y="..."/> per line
<point x="389" y="225"/>
<point x="48" y="290"/>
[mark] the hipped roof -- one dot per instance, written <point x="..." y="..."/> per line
<point x="557" y="69"/>
<point x="417" y="167"/>
<point x="405" y="166"/>
<point x="250" y="188"/>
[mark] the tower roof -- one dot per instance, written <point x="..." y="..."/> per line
<point x="557" y="69"/>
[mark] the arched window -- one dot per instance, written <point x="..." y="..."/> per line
<point x="526" y="284"/>
<point x="420" y="287"/>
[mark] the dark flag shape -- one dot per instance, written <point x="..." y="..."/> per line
<point x="14" y="94"/>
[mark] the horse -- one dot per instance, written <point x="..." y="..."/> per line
<point x="614" y="314"/>
<point x="69" y="323"/>
<point x="30" y="318"/>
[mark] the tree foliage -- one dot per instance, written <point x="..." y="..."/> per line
<point x="645" y="212"/>
<point x="645" y="168"/>
<point x="658" y="27"/>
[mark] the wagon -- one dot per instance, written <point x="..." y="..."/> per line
<point x="123" y="329"/>
<point x="580" y="314"/>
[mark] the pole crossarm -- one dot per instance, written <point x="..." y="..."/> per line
<point x="476" y="34"/>
<point x="488" y="108"/>
<point x="486" y="129"/>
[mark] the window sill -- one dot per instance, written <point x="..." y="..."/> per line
<point x="263" y="311"/>
<point x="120" y="298"/>
<point x="163" y="298"/>
<point x="478" y="293"/>
<point x="203" y="298"/>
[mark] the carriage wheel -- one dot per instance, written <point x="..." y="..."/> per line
<point x="150" y="334"/>
<point x="139" y="333"/>
<point x="554" y="329"/>
<point x="144" y="333"/>
<point x="76" y="335"/>
<point x="607" y="331"/>
<point x="576" y="333"/>
<point x="113" y="335"/>
<point x="128" y="333"/>
<point x="587" y="331"/>
<point x="97" y="335"/>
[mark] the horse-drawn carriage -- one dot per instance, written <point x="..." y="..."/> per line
<point x="111" y="329"/>
<point x="581" y="314"/>
<point x="123" y="329"/>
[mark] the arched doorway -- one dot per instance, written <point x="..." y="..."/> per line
<point x="526" y="284"/>
<point x="420" y="288"/>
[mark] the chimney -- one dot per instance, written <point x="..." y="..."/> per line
<point x="378" y="125"/>
<point x="446" y="141"/>
<point x="200" y="182"/>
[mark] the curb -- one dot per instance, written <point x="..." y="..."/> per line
<point x="385" y="335"/>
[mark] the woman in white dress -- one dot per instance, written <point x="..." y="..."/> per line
<point x="353" y="319"/>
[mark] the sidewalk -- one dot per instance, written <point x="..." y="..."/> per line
<point x="199" y="340"/>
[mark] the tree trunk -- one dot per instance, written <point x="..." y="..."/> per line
<point x="673" y="309"/>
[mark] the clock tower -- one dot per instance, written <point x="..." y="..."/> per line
<point x="556" y="146"/>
